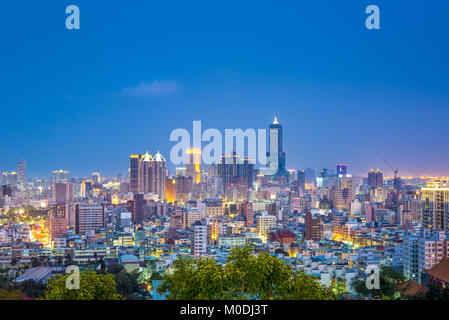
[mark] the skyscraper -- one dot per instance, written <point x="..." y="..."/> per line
<point x="158" y="175"/>
<point x="375" y="179"/>
<point x="57" y="220"/>
<point x="233" y="170"/>
<point x="134" y="173"/>
<point x="193" y="164"/>
<point x="89" y="218"/>
<point x="435" y="202"/>
<point x="60" y="176"/>
<point x="62" y="192"/>
<point x="22" y="172"/>
<point x="144" y="173"/>
<point x="96" y="177"/>
<point x="147" y="174"/>
<point x="276" y="156"/>
<point x="342" y="169"/>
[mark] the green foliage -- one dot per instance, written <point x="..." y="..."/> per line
<point x="93" y="286"/>
<point x="244" y="276"/>
<point x="12" y="294"/>
<point x="389" y="281"/>
<point x="127" y="283"/>
<point x="32" y="288"/>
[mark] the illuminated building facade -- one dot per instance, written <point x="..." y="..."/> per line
<point x="60" y="176"/>
<point x="435" y="205"/>
<point x="147" y="174"/>
<point x="88" y="218"/>
<point x="193" y="164"/>
<point x="375" y="179"/>
<point x="264" y="224"/>
<point x="57" y="220"/>
<point x="276" y="156"/>
<point x="22" y="172"/>
<point x="313" y="227"/>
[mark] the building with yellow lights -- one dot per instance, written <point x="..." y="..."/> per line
<point x="193" y="164"/>
<point x="435" y="202"/>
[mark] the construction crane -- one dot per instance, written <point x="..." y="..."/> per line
<point x="396" y="171"/>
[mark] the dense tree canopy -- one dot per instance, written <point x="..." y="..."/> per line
<point x="93" y="286"/>
<point x="244" y="276"/>
<point x="389" y="281"/>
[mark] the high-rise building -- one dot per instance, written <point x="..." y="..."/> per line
<point x="375" y="179"/>
<point x="276" y="156"/>
<point x="246" y="211"/>
<point x="193" y="164"/>
<point x="313" y="227"/>
<point x="310" y="177"/>
<point x="22" y="172"/>
<point x="410" y="258"/>
<point x="170" y="190"/>
<point x="301" y="179"/>
<point x="62" y="192"/>
<point x="134" y="171"/>
<point x="139" y="207"/>
<point x="60" y="176"/>
<point x="57" y="220"/>
<point x="343" y="195"/>
<point x="199" y="238"/>
<point x="264" y="224"/>
<point x="158" y="175"/>
<point x="342" y="169"/>
<point x="431" y="251"/>
<point x="435" y="205"/>
<point x="88" y="218"/>
<point x="410" y="211"/>
<point x="96" y="177"/>
<point x="145" y="173"/>
<point x="233" y="170"/>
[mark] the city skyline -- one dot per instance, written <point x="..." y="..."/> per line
<point x="86" y="99"/>
<point x="226" y="153"/>
<point x="385" y="168"/>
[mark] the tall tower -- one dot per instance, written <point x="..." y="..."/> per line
<point x="193" y="165"/>
<point x="134" y="171"/>
<point x="60" y="176"/>
<point x="276" y="156"/>
<point x="157" y="175"/>
<point x="22" y="171"/>
<point x="435" y="205"/>
<point x="342" y="169"/>
<point x="144" y="173"/>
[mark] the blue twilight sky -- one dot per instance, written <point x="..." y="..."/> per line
<point x="83" y="100"/>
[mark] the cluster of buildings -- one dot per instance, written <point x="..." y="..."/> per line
<point x="330" y="223"/>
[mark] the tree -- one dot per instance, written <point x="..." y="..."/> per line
<point x="389" y="281"/>
<point x="115" y="268"/>
<point x="244" y="276"/>
<point x="127" y="283"/>
<point x="32" y="288"/>
<point x="93" y="286"/>
<point x="14" y="294"/>
<point x="436" y="293"/>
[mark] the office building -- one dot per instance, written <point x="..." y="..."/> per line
<point x="89" y="218"/>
